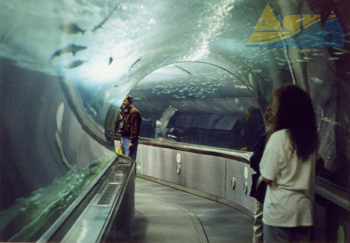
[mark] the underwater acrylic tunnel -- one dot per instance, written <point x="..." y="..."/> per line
<point x="200" y="72"/>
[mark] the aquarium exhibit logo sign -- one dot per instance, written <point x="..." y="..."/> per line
<point x="299" y="31"/>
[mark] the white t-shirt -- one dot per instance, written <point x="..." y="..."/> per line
<point x="289" y="198"/>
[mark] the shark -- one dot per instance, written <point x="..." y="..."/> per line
<point x="105" y="20"/>
<point x="71" y="28"/>
<point x="134" y="64"/>
<point x="211" y="79"/>
<point x="184" y="70"/>
<point x="75" y="64"/>
<point x="69" y="49"/>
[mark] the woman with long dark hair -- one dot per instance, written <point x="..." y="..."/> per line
<point x="288" y="166"/>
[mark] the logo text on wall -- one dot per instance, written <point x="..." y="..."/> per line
<point x="299" y="31"/>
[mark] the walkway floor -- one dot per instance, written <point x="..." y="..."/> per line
<point x="164" y="214"/>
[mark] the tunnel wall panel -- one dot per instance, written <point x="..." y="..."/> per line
<point x="177" y="160"/>
<point x="160" y="163"/>
<point x="203" y="173"/>
<point x="238" y="170"/>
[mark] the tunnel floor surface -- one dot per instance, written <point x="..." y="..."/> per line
<point x="164" y="214"/>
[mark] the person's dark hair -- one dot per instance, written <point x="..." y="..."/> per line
<point x="129" y="98"/>
<point x="295" y="112"/>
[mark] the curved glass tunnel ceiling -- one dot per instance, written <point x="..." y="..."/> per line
<point x="108" y="43"/>
<point x="66" y="67"/>
<point x="193" y="88"/>
<point x="186" y="100"/>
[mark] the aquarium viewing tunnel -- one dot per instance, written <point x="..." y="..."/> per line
<point x="200" y="72"/>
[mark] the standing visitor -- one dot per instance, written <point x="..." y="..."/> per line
<point x="288" y="167"/>
<point x="129" y="127"/>
<point x="259" y="187"/>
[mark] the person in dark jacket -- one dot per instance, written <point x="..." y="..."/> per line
<point x="254" y="164"/>
<point x="129" y="127"/>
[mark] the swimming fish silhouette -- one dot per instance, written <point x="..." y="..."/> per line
<point x="75" y="64"/>
<point x="134" y="63"/>
<point x="71" y="28"/>
<point x="69" y="49"/>
<point x="184" y="70"/>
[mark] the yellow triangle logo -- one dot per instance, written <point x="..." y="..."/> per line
<point x="332" y="15"/>
<point x="268" y="20"/>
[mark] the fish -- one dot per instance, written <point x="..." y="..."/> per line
<point x="75" y="64"/>
<point x="105" y="20"/>
<point x="333" y="58"/>
<point x="212" y="79"/>
<point x="146" y="119"/>
<point x="110" y="60"/>
<point x="69" y="49"/>
<point x="329" y="120"/>
<point x="134" y="63"/>
<point x="317" y="80"/>
<point x="239" y="86"/>
<point x="300" y="60"/>
<point x="166" y="115"/>
<point x="184" y="70"/>
<point x="307" y="58"/>
<point x="340" y="49"/>
<point x="94" y="164"/>
<point x="228" y="8"/>
<point x="72" y="28"/>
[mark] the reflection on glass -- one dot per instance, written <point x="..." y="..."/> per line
<point x="31" y="216"/>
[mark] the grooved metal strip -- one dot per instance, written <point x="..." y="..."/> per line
<point x="108" y="194"/>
